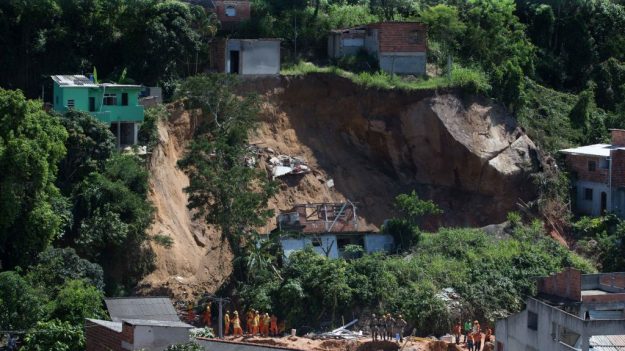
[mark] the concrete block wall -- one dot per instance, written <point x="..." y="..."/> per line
<point x="567" y="284"/>
<point x="100" y="338"/>
<point x="604" y="298"/>
<point x="579" y="164"/>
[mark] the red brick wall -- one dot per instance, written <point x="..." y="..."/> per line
<point x="218" y="55"/>
<point x="128" y="333"/>
<point x="318" y="225"/>
<point x="579" y="164"/>
<point x="567" y="284"/>
<point x="618" y="137"/>
<point x="243" y="11"/>
<point x="400" y="36"/>
<point x="617" y="278"/>
<point x="618" y="168"/>
<point x="100" y="338"/>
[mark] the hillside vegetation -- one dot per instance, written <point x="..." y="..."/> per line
<point x="75" y="214"/>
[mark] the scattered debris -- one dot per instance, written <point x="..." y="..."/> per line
<point x="282" y="165"/>
<point x="341" y="333"/>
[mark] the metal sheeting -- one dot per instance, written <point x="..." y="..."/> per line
<point x="607" y="343"/>
<point x="151" y="308"/>
<point x="607" y="314"/>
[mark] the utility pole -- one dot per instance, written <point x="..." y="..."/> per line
<point x="220" y="301"/>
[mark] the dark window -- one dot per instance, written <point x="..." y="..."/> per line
<point x="110" y="99"/>
<point x="70" y="103"/>
<point x="588" y="194"/>
<point x="124" y="99"/>
<point x="605" y="163"/>
<point x="592" y="165"/>
<point x="316" y="242"/>
<point x="91" y="104"/>
<point x="234" y="62"/>
<point x="532" y="320"/>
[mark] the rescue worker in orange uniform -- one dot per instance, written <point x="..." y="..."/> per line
<point x="266" y="322"/>
<point x="274" y="325"/>
<point x="255" y="323"/>
<point x="249" y="321"/>
<point x="236" y="325"/>
<point x="206" y="318"/>
<point x="227" y="323"/>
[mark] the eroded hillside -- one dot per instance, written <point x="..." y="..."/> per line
<point x="464" y="153"/>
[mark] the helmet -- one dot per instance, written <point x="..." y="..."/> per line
<point x="236" y="312"/>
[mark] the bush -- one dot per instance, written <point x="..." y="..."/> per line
<point x="55" y="336"/>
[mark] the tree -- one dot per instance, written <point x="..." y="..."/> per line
<point x="111" y="216"/>
<point x="55" y="335"/>
<point x="390" y="9"/>
<point x="89" y="144"/>
<point x="55" y="266"/>
<point x="411" y="208"/>
<point x="76" y="301"/>
<point x="21" y="306"/>
<point x="31" y="207"/>
<point x="222" y="188"/>
<point x="444" y="26"/>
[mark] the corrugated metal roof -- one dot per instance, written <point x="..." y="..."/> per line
<point x="146" y="308"/>
<point x="607" y="342"/>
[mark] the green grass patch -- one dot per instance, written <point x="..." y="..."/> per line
<point x="472" y="80"/>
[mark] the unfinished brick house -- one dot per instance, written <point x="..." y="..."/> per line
<point x="598" y="172"/>
<point x="328" y="228"/>
<point x="400" y="47"/>
<point x="572" y="311"/>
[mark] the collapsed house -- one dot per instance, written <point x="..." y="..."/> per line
<point x="572" y="311"/>
<point x="146" y="323"/>
<point x="328" y="228"/>
<point x="282" y="165"/>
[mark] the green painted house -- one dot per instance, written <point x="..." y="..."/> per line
<point x="114" y="104"/>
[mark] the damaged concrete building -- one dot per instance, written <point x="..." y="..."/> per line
<point x="329" y="228"/>
<point x="572" y="311"/>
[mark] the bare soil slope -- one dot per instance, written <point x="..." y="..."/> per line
<point x="464" y="153"/>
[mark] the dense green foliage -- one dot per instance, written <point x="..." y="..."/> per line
<point x="55" y="335"/>
<point x="31" y="206"/>
<point x="603" y="240"/>
<point x="491" y="276"/>
<point x="152" y="40"/>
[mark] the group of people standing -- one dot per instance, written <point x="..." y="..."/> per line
<point x="257" y="323"/>
<point x="473" y="334"/>
<point x="386" y="327"/>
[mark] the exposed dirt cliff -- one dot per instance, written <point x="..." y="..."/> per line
<point x="464" y="153"/>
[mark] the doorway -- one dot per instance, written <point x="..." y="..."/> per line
<point x="604" y="203"/>
<point x="234" y="62"/>
<point x="91" y="104"/>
